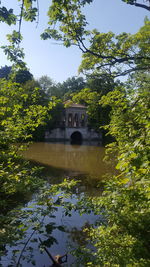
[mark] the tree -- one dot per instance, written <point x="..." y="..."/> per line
<point x="71" y="85"/>
<point x="4" y="72"/>
<point x="28" y="12"/>
<point x="95" y="87"/>
<point x="116" y="55"/>
<point x="46" y="83"/>
<point x="61" y="90"/>
<point x="22" y="76"/>
<point x="20" y="116"/>
<point x="120" y="236"/>
<point x="19" y="76"/>
<point x="98" y="116"/>
<point x="49" y="86"/>
<point x="141" y="4"/>
<point x="68" y="25"/>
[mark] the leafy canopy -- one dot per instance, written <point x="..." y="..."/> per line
<point x="117" y="55"/>
<point x="121" y="236"/>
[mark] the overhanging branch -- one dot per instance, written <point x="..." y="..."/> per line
<point x="113" y="60"/>
<point x="141" y="5"/>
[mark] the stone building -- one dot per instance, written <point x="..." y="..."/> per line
<point x="73" y="126"/>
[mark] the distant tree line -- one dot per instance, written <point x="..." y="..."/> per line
<point x="76" y="89"/>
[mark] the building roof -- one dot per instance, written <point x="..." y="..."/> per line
<point x="69" y="104"/>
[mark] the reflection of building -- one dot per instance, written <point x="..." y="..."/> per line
<point x="73" y="125"/>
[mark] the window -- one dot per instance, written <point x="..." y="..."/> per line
<point x="69" y="120"/>
<point x="76" y="121"/>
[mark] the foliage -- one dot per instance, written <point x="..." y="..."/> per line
<point x="61" y="90"/>
<point x="33" y="226"/>
<point x="22" y="76"/>
<point x="41" y="96"/>
<point x="130" y="125"/>
<point x="71" y="85"/>
<point x="48" y="86"/>
<point x="68" y="24"/>
<point x="5" y="71"/>
<point x="19" y="76"/>
<point x="23" y="110"/>
<point x="121" y="237"/>
<point x="21" y="113"/>
<point x="98" y="115"/>
<point x="28" y="12"/>
<point x="7" y="16"/>
<point x="117" y="55"/>
<point x="95" y="111"/>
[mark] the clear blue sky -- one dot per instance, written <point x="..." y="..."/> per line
<point x="58" y="62"/>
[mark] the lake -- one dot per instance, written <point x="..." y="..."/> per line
<point x="84" y="162"/>
<point x="67" y="159"/>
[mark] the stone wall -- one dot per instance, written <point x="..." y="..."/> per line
<point x="66" y="133"/>
<point x="74" y="122"/>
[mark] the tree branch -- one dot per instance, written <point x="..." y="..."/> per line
<point x="115" y="60"/>
<point x="20" y="20"/>
<point x="57" y="260"/>
<point x="141" y="5"/>
<point x="38" y="14"/>
<point x="24" y="247"/>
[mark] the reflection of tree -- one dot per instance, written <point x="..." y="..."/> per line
<point x="80" y="236"/>
<point x="27" y="226"/>
<point x="66" y="158"/>
<point x="79" y="242"/>
<point x="57" y="260"/>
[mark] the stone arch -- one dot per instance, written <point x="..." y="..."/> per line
<point x="76" y="137"/>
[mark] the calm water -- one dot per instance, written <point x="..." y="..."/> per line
<point x="63" y="160"/>
<point x="71" y="160"/>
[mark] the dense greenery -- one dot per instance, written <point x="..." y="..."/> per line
<point x="95" y="88"/>
<point x="61" y="90"/>
<point x="120" y="236"/>
<point x="20" y="116"/>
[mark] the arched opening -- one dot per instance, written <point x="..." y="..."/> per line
<point x="76" y="122"/>
<point x="76" y="138"/>
<point x="70" y="121"/>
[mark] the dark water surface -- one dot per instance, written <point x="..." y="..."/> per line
<point x="64" y="160"/>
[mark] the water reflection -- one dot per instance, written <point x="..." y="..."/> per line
<point x="71" y="160"/>
<point x="63" y="160"/>
<point x="48" y="230"/>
